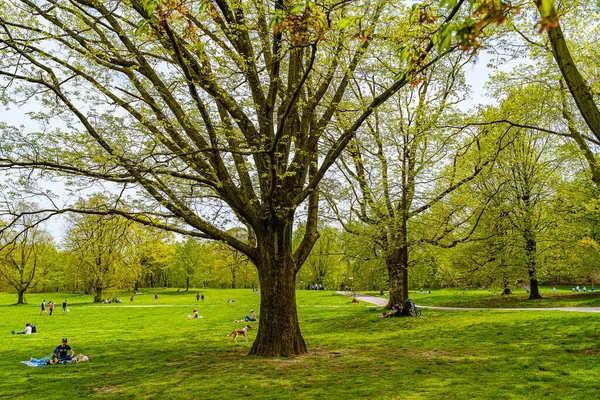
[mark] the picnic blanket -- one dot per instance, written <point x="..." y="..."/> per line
<point x="42" y="362"/>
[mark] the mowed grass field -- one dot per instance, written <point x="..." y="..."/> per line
<point x="150" y="350"/>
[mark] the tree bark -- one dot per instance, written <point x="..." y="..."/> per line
<point x="21" y="297"/>
<point x="530" y="250"/>
<point x="98" y="295"/>
<point x="397" y="266"/>
<point x="581" y="92"/>
<point x="534" y="293"/>
<point x="279" y="331"/>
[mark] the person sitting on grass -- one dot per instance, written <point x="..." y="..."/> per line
<point x="61" y="353"/>
<point x="27" y="331"/>
<point x="396" y="312"/>
<point x="248" y="318"/>
<point x="194" y="315"/>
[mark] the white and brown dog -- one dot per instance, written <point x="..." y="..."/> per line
<point x="238" y="332"/>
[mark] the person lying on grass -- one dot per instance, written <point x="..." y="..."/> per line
<point x="54" y="360"/>
<point x="247" y="318"/>
<point x="61" y="353"/>
<point x="396" y="312"/>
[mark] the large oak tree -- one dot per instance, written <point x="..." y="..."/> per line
<point x="201" y="115"/>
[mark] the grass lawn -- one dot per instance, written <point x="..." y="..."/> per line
<point x="152" y="351"/>
<point x="474" y="297"/>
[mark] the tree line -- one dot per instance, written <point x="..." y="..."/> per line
<point x="100" y="255"/>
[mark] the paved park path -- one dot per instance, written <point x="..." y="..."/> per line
<point x="381" y="302"/>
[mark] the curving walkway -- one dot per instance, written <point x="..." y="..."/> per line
<point x="381" y="302"/>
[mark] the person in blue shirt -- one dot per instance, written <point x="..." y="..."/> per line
<point x="396" y="312"/>
<point x="62" y="352"/>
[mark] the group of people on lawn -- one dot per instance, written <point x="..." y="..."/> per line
<point x="50" y="306"/>
<point x="63" y="354"/>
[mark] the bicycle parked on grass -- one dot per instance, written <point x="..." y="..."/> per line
<point x="413" y="310"/>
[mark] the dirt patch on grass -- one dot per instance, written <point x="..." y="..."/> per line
<point x="589" y="352"/>
<point x="315" y="355"/>
<point x="182" y="373"/>
<point x="107" y="389"/>
<point x="440" y="354"/>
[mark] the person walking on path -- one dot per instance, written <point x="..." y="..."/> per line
<point x="43" y="311"/>
<point x="64" y="306"/>
<point x="197" y="297"/>
<point x="51" y="307"/>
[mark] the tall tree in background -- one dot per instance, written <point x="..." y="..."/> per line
<point x="206" y="115"/>
<point x="149" y="251"/>
<point x="403" y="163"/>
<point x="98" y="244"/>
<point x="325" y="264"/>
<point x="191" y="260"/>
<point x="26" y="252"/>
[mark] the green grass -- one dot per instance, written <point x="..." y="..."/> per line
<point x="154" y="352"/>
<point x="483" y="298"/>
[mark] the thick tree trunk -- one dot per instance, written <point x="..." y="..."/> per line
<point x="21" y="297"/>
<point x="530" y="251"/>
<point x="98" y="295"/>
<point x="534" y="293"/>
<point x="506" y="289"/>
<point x="398" y="278"/>
<point x="187" y="284"/>
<point x="279" y="331"/>
<point x="398" y="266"/>
<point x="580" y="90"/>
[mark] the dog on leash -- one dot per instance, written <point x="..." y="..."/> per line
<point x="238" y="332"/>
